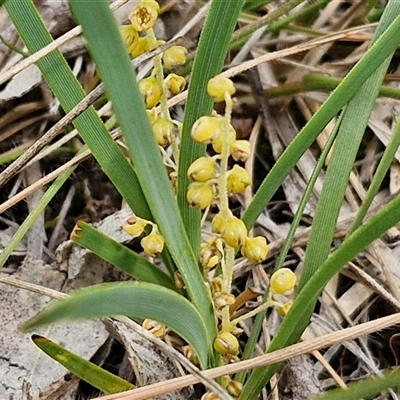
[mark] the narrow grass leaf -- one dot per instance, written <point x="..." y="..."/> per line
<point x="304" y="13"/>
<point x="352" y="125"/>
<point x="314" y="81"/>
<point x="136" y="300"/>
<point x="304" y="199"/>
<point x="379" y="176"/>
<point x="351" y="131"/>
<point x="252" y="5"/>
<point x="83" y="369"/>
<point x="258" y="323"/>
<point x="366" y="388"/>
<point x="117" y="254"/>
<point x="33" y="215"/>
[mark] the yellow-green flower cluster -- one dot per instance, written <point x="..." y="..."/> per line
<point x="212" y="183"/>
<point x="234" y="388"/>
<point x="234" y="232"/>
<point x="210" y="179"/>
<point x="142" y="18"/>
<point x="139" y="38"/>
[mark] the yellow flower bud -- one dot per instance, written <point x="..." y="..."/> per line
<point x="179" y="282"/>
<point x="175" y="83"/>
<point x="150" y="90"/>
<point x="282" y="281"/>
<point x="223" y="299"/>
<point x="134" y="226"/>
<point x="218" y="223"/>
<point x="152" y="244"/>
<point x="255" y="249"/>
<point x="240" y="150"/>
<point x="218" y="86"/>
<point x="205" y="128"/>
<point x="199" y="195"/>
<point x="144" y="15"/>
<point x="211" y="252"/>
<point x="174" y="56"/>
<point x="163" y="130"/>
<point x="235" y="232"/>
<point x="234" y="388"/>
<point x="173" y="176"/>
<point x="142" y="46"/>
<point x="202" y="169"/>
<point x="154" y="327"/>
<point x="283" y="309"/>
<point x="189" y="353"/>
<point x="209" y="396"/>
<point x="224" y="136"/>
<point x="238" y="179"/>
<point x="226" y="344"/>
<point x="129" y="35"/>
<point x="216" y="285"/>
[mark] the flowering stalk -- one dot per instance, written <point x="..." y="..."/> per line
<point x="227" y="265"/>
<point x="159" y="74"/>
<point x="282" y="283"/>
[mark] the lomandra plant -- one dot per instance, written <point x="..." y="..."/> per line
<point x="171" y="192"/>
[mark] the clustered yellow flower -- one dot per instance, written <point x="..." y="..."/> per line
<point x="144" y="15"/>
<point x="142" y="19"/>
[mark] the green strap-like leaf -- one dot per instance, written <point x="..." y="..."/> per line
<point x="136" y="300"/>
<point x="120" y="256"/>
<point x="380" y="173"/>
<point x="83" y="369"/>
